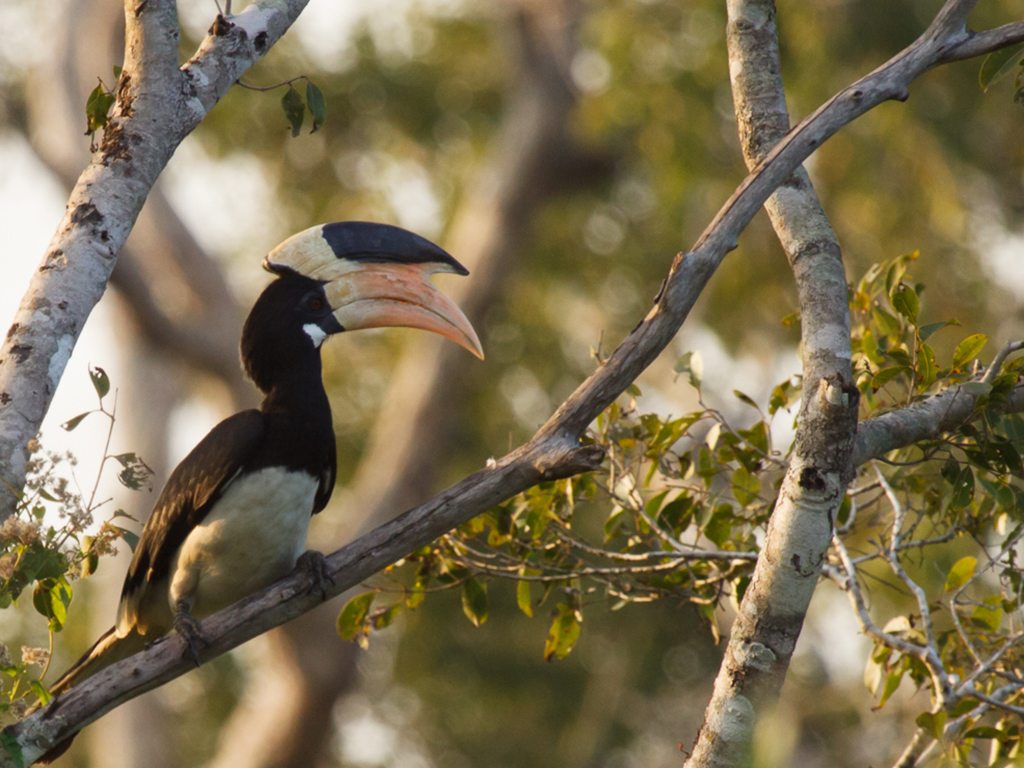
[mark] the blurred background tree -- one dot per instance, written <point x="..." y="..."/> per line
<point x="564" y="151"/>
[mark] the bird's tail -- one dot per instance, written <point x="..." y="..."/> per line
<point x="108" y="649"/>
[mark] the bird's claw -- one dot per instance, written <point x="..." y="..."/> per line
<point x="186" y="625"/>
<point x="314" y="564"/>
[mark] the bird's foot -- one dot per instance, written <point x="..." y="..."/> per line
<point x="314" y="564"/>
<point x="186" y="625"/>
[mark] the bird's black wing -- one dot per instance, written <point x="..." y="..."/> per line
<point x="328" y="475"/>
<point x="193" y="486"/>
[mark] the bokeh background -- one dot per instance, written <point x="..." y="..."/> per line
<point x="564" y="151"/>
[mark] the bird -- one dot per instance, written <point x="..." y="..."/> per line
<point x="232" y="517"/>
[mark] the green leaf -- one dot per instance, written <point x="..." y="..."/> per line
<point x="757" y="435"/>
<point x="886" y="375"/>
<point x="718" y="528"/>
<point x="989" y="615"/>
<point x="886" y="323"/>
<point x="42" y="695"/>
<point x="984" y="732"/>
<point x="691" y="363"/>
<point x="677" y="513"/>
<point x="926" y="331"/>
<point x="745" y="398"/>
<point x="414" y="597"/>
<point x="524" y="597"/>
<point x="780" y="396"/>
<point x="905" y="301"/>
<point x="927" y="371"/>
<point x="892" y="683"/>
<point x="563" y="633"/>
<point x="74" y="421"/>
<point x="969" y="349"/>
<point x="706" y="466"/>
<point x="746" y="487"/>
<point x="962" y="572"/>
<point x="932" y="722"/>
<point x="294" y="109"/>
<point x="60" y="598"/>
<point x="351" y="622"/>
<point x="90" y="558"/>
<point x="385" y="616"/>
<point x="474" y="601"/>
<point x="963" y="489"/>
<point x="97" y="105"/>
<point x="998" y="65"/>
<point x="316" y="104"/>
<point x="9" y="744"/>
<point x="41" y="599"/>
<point x="100" y="381"/>
<point x="130" y="537"/>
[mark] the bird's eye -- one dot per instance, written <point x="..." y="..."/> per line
<point x="315" y="303"/>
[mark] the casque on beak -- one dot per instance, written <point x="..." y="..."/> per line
<point x="377" y="275"/>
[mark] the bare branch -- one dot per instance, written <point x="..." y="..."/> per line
<point x="997" y="362"/>
<point x="541" y="459"/>
<point x="923" y="420"/>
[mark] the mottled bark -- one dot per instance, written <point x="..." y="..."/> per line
<point x="772" y="612"/>
<point x="158" y="104"/>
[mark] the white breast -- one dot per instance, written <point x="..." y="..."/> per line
<point x="251" y="538"/>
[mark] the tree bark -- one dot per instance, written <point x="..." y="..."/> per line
<point x="158" y="105"/>
<point x="773" y="608"/>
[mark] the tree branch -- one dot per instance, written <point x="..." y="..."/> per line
<point x="538" y="460"/>
<point x="925" y="419"/>
<point x="157" y="106"/>
<point x="772" y="612"/>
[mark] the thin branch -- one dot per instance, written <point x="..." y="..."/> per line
<point x="928" y="652"/>
<point x="997" y="362"/>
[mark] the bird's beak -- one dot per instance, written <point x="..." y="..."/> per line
<point x="392" y="294"/>
<point x="376" y="275"/>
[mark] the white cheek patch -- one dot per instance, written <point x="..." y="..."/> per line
<point x="315" y="333"/>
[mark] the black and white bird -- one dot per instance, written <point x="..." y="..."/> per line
<point x="233" y="515"/>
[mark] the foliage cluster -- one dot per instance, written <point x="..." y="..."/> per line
<point x="679" y="508"/>
<point x="51" y="541"/>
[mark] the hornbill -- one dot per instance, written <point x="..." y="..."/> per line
<point x="233" y="515"/>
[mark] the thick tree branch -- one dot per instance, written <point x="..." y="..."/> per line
<point x="157" y="106"/>
<point x="772" y="612"/>
<point x="538" y="460"/>
<point x="925" y="419"/>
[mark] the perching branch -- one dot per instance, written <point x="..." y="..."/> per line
<point x="553" y="452"/>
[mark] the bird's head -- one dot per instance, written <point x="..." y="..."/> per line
<point x="347" y="276"/>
